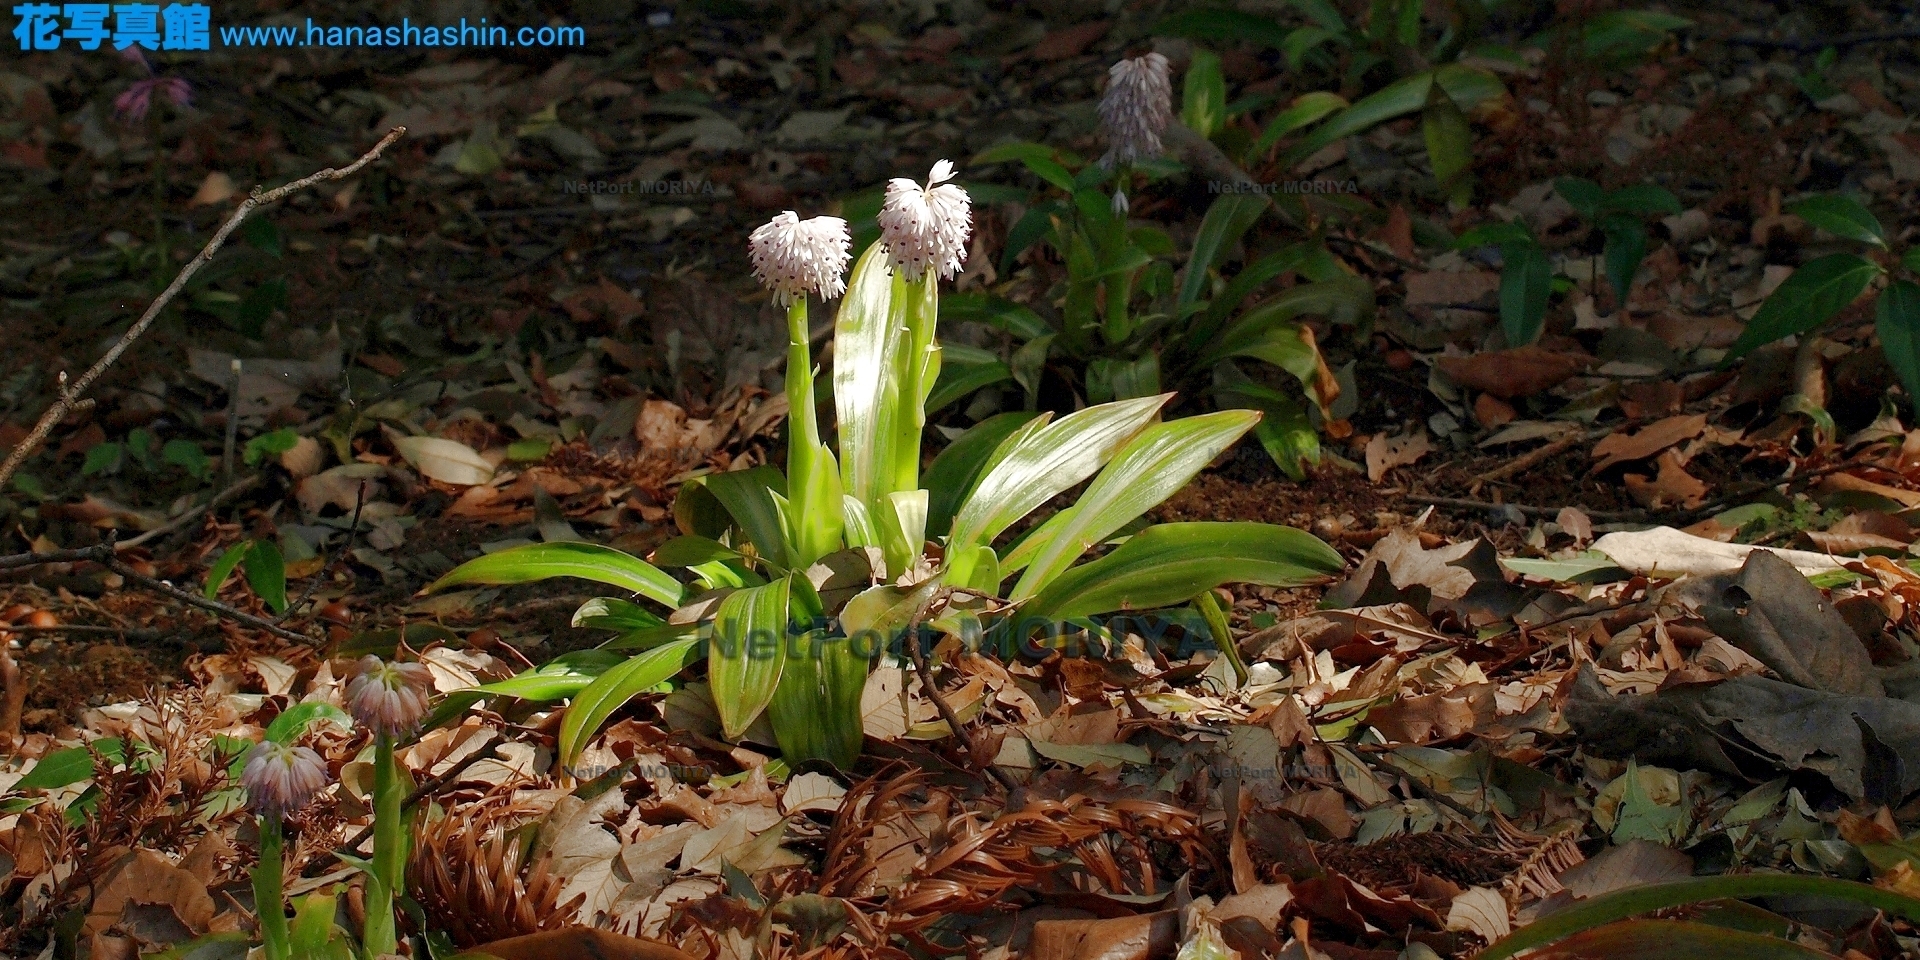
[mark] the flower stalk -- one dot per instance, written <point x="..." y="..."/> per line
<point x="796" y="258"/>
<point x="269" y="896"/>
<point x="279" y="779"/>
<point x="389" y="698"/>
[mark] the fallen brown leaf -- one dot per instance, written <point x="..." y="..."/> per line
<point x="1514" y="373"/>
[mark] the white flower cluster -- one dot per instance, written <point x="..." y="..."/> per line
<point x="926" y="228"/>
<point x="1136" y="108"/>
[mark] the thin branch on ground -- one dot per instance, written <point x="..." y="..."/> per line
<point x="1535" y="457"/>
<point x="917" y="652"/>
<point x="239" y="487"/>
<point x="70" y="397"/>
<point x="105" y="554"/>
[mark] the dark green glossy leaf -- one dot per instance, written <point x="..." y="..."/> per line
<point x="1526" y="282"/>
<point x="1806" y="300"/>
<point x="1898" y="323"/>
<point x="1842" y="216"/>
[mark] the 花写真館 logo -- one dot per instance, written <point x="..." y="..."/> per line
<point x="177" y="26"/>
<point x="189" y="26"/>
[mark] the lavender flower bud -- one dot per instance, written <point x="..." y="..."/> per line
<point x="281" y="779"/>
<point x="1136" y="108"/>
<point x="389" y="698"/>
<point x="926" y="228"/>
<point x="795" y="257"/>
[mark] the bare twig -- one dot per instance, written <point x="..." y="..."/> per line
<point x="69" y="397"/>
<point x="918" y="653"/>
<point x="1535" y="457"/>
<point x="239" y="487"/>
<point x="105" y="555"/>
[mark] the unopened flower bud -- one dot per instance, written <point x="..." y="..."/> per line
<point x="389" y="698"/>
<point x="795" y="257"/>
<point x="1136" y="108"/>
<point x="926" y="228"/>
<point x="281" y="778"/>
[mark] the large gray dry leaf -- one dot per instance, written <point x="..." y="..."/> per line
<point x="1771" y="611"/>
<point x="1869" y="747"/>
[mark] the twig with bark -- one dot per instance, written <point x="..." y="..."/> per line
<point x="70" y="397"/>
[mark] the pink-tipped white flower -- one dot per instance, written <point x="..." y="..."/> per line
<point x="281" y="778"/>
<point x="389" y="698"/>
<point x="1136" y="108"/>
<point x="926" y="228"/>
<point x="795" y="257"/>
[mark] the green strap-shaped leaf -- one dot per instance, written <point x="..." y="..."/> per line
<point x="1225" y="221"/>
<point x="1842" y="216"/>
<point x="292" y="724"/>
<point x="1203" y="94"/>
<point x="1641" y="199"/>
<point x="267" y="574"/>
<point x="1626" y="247"/>
<point x="1038" y="464"/>
<point x="966" y="371"/>
<point x="747" y="651"/>
<point x="1152" y="467"/>
<point x="224" y="566"/>
<point x="1309" y="109"/>
<point x="611" y="690"/>
<point x="1396" y="100"/>
<point x="994" y="311"/>
<point x="816" y="707"/>
<point x="1675" y="940"/>
<point x="63" y="768"/>
<point x="1526" y="282"/>
<point x="868" y="349"/>
<point x="1806" y="300"/>
<point x="1343" y="300"/>
<point x="958" y="467"/>
<point x="1898" y="323"/>
<point x="555" y="680"/>
<point x="1660" y="896"/>
<point x="748" y="496"/>
<point x="534" y="562"/>
<point x="1223" y="26"/>
<point x="1449" y="147"/>
<point x="1173" y="562"/>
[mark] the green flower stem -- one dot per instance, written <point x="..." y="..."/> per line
<point x="803" y="426"/>
<point x="919" y="310"/>
<point x="389" y="849"/>
<point x="269" y="900"/>
<point x="815" y="520"/>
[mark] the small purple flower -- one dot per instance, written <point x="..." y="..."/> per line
<point x="389" y="698"/>
<point x="281" y="779"/>
<point x="132" y="105"/>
